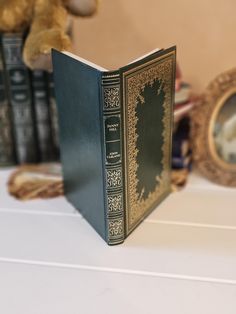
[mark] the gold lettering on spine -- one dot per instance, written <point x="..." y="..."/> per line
<point x="113" y="169"/>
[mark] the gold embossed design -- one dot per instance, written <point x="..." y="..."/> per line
<point x="114" y="178"/>
<point x="115" y="228"/>
<point x="162" y="70"/>
<point x="111" y="97"/>
<point x="115" y="203"/>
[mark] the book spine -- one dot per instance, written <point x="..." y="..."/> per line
<point x="53" y="116"/>
<point x="20" y="99"/>
<point x="7" y="156"/>
<point x="42" y="115"/>
<point x="112" y="132"/>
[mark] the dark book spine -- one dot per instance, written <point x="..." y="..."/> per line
<point x="42" y="115"/>
<point x="53" y="116"/>
<point x="7" y="156"/>
<point x="112" y="132"/>
<point x="20" y="99"/>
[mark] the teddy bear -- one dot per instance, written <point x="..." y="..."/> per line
<point x="46" y="22"/>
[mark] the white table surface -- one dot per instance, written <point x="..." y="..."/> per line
<point x="181" y="259"/>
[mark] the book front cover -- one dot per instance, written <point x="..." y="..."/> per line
<point x="115" y="132"/>
<point x="148" y="91"/>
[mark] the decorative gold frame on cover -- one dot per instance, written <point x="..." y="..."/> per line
<point x="216" y="109"/>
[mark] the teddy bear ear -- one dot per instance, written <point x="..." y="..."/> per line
<point x="81" y="7"/>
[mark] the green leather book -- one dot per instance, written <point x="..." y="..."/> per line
<point x="7" y="154"/>
<point x="115" y="137"/>
<point x="53" y="117"/>
<point x="42" y="115"/>
<point x="19" y="90"/>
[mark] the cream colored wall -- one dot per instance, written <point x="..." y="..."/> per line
<point x="204" y="32"/>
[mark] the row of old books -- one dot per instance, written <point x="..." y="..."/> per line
<point x="181" y="147"/>
<point x="28" y="116"/>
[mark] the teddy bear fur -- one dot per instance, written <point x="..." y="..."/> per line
<point x="46" y="21"/>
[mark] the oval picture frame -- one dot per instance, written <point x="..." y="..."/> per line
<point x="204" y="117"/>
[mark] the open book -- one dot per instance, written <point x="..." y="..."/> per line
<point x="115" y="135"/>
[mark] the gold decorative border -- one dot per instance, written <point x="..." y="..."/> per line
<point x="134" y="81"/>
<point x="114" y="178"/>
<point x="115" y="228"/>
<point x="203" y="117"/>
<point x="115" y="203"/>
<point x="215" y="113"/>
<point x="111" y="96"/>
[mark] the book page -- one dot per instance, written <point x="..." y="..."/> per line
<point x="98" y="67"/>
<point x="91" y="64"/>
<point x="147" y="54"/>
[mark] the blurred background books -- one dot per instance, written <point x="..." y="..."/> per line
<point x="28" y="115"/>
<point x="181" y="146"/>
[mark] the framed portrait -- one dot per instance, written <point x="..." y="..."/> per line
<point x="214" y="130"/>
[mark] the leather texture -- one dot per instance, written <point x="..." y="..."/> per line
<point x="78" y="100"/>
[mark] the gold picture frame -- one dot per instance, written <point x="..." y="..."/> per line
<point x="209" y="121"/>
